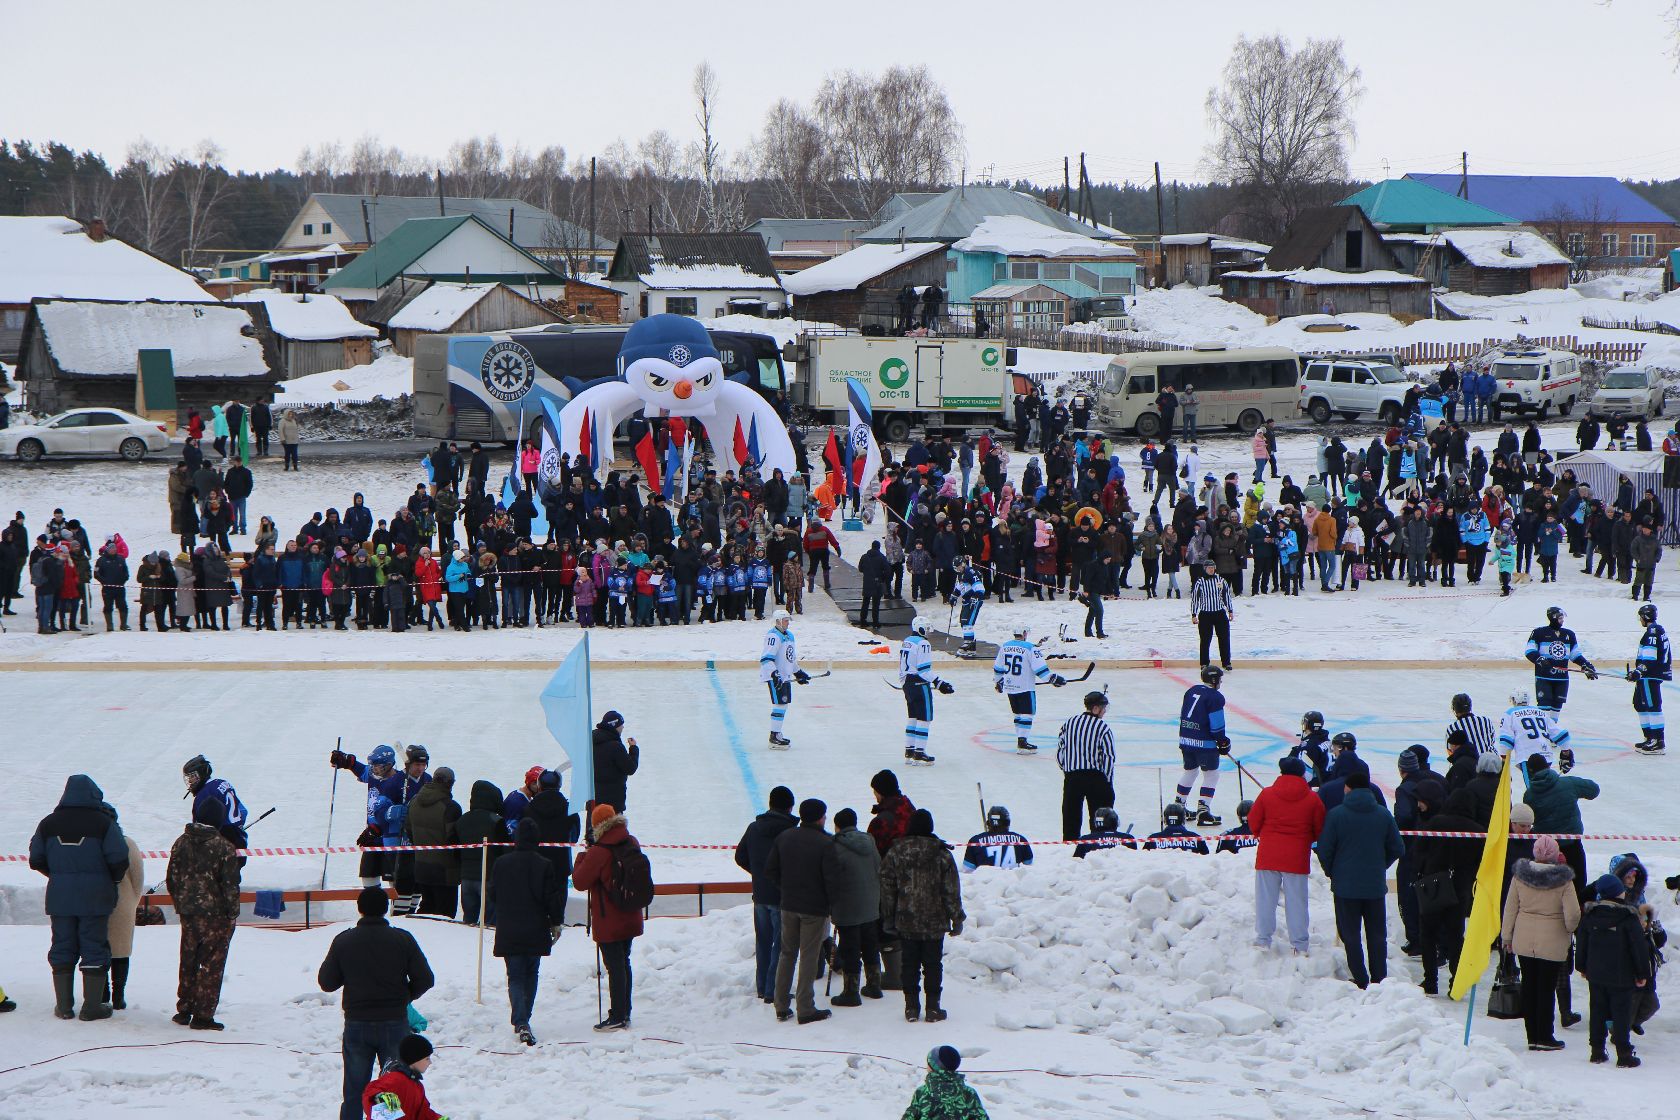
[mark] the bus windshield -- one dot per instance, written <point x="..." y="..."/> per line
<point x="1516" y="371"/>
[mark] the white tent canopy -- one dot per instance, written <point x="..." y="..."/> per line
<point x="1602" y="472"/>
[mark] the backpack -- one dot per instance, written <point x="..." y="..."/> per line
<point x="632" y="878"/>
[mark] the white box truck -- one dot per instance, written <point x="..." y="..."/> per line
<point x="930" y="382"/>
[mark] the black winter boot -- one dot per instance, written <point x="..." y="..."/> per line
<point x="93" y="992"/>
<point x="871" y="980"/>
<point x="64" y="988"/>
<point x="119" y="983"/>
<point x="849" y="997"/>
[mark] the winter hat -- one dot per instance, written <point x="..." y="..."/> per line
<point x="845" y="818"/>
<point x="533" y="775"/>
<point x="549" y="779"/>
<point x="812" y="810"/>
<point x="1522" y="814"/>
<point x="612" y="719"/>
<point x="1546" y="850"/>
<point x="372" y="902"/>
<point x="183" y="558"/>
<point x="1409" y="763"/>
<point x="1431" y="792"/>
<point x="1538" y="762"/>
<point x="413" y="1049"/>
<point x="1292" y="766"/>
<point x="885" y="783"/>
<point x="443" y="775"/>
<point x="1422" y="753"/>
<point x="921" y="823"/>
<point x="944" y="1057"/>
<point x="601" y="814"/>
<point x="1606" y="887"/>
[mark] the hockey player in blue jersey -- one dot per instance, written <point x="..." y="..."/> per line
<point x="1105" y="833"/>
<point x="778" y="668"/>
<point x="1239" y="838"/>
<point x="998" y="846"/>
<point x="389" y="793"/>
<point x="970" y="591"/>
<point x="1202" y="740"/>
<point x="1551" y="648"/>
<point x="1654" y="665"/>
<point x="1173" y="834"/>
<point x="1310" y="747"/>
<point x="1017" y="672"/>
<point x="215" y="803"/>
<point x="917" y="678"/>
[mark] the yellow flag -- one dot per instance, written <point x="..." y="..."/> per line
<point x="1483" y="926"/>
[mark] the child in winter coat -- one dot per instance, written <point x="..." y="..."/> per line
<point x="397" y="1093"/>
<point x="583" y="594"/>
<point x="945" y="1095"/>
<point x="1614" y="955"/>
<point x="793" y="585"/>
<point x="1505" y="555"/>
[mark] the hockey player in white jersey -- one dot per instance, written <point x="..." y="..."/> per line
<point x="916" y="676"/>
<point x="778" y="667"/>
<point x="1527" y="729"/>
<point x="1017" y="672"/>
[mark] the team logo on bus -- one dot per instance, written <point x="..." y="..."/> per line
<point x="508" y="371"/>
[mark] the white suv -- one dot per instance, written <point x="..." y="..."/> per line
<point x="1629" y="391"/>
<point x="1351" y="387"/>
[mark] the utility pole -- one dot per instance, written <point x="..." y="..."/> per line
<point x="1065" y="184"/>
<point x="1176" y="227"/>
<point x="1464" y="176"/>
<point x="592" y="235"/>
<point x="440" y="191"/>
<point x="1160" y="227"/>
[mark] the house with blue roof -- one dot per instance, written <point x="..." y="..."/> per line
<point x="1597" y="220"/>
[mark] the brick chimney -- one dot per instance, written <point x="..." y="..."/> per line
<point x="96" y="229"/>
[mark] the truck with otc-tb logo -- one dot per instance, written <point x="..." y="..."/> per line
<point x="930" y="382"/>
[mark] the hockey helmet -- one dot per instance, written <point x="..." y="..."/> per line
<point x="1212" y="675"/>
<point x="997" y="819"/>
<point x="1519" y="697"/>
<point x="1312" y="721"/>
<point x="196" y="771"/>
<point x="533" y="775"/>
<point x="1020" y="632"/>
<point x="417" y="753"/>
<point x="1173" y="814"/>
<point x="781" y="616"/>
<point x="1344" y="741"/>
<point x="1243" y="807"/>
<point x="382" y="755"/>
<point x="1105" y="820"/>
<point x="1555" y="616"/>
<point x="1648" y="613"/>
<point x="919" y="625"/>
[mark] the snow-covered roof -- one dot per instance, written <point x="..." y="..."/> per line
<point x="1503" y="248"/>
<point x="1018" y="289"/>
<point x="856" y="267"/>
<point x="104" y="339"/>
<point x="306" y="318"/>
<point x="1013" y="235"/>
<point x="703" y="277"/>
<point x="1215" y="241"/>
<point x="54" y="258"/>
<point x="1322" y="277"/>
<point x="439" y="307"/>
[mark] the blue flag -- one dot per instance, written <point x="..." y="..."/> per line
<point x="565" y="705"/>
<point x="752" y="442"/>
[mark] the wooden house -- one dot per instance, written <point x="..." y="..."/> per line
<point x="440" y="308"/>
<point x="700" y="274"/>
<point x="1338" y="238"/>
<point x="1021" y="306"/>
<point x="85" y="353"/>
<point x="314" y="333"/>
<point x="860" y="289"/>
<point x="1202" y="258"/>
<point x="1324" y="291"/>
<point x="460" y="249"/>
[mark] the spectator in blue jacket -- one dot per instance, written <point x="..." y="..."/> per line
<point x="262" y="580"/>
<point x="294" y="574"/>
<point x="81" y="851"/>
<point x="1359" y="843"/>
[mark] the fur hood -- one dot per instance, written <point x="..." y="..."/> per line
<point x="606" y="826"/>
<point x="1543" y="876"/>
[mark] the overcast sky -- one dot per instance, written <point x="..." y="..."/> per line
<point x="1559" y="86"/>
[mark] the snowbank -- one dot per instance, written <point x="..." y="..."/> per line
<point x="389" y="376"/>
<point x="306" y="318"/>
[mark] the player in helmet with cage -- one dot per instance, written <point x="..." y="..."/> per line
<point x="389" y="793"/>
<point x="1202" y="741"/>
<point x="998" y="846"/>
<point x="1174" y="833"/>
<point x="1017" y="671"/>
<point x="1653" y="665"/>
<point x="918" y="680"/>
<point x="1550" y="649"/>
<point x="1241" y="837"/>
<point x="1310" y="747"/>
<point x="1105" y="833"/>
<point x="215" y="802"/>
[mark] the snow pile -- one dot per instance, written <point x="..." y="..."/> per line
<point x="1634" y="284"/>
<point x="1191" y="314"/>
<point x="853" y="268"/>
<point x="52" y="257"/>
<point x="1013" y="235"/>
<point x="207" y="340"/>
<point x="390" y="376"/>
<point x="304" y="318"/>
<point x="706" y="277"/>
<point x="1510" y="248"/>
<point x="439" y="307"/>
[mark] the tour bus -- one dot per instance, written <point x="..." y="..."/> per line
<point x="1242" y="388"/>
<point x="475" y="386"/>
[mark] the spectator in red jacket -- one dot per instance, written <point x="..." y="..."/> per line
<point x="1287" y="817"/>
<point x="817" y="541"/>
<point x="397" y="1094"/>
<point x="613" y="927"/>
<point x="428" y="587"/>
<point x="891" y="814"/>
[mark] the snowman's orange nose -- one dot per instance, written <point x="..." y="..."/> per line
<point x="683" y="390"/>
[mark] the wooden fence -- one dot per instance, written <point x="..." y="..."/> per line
<point x="1650" y="326"/>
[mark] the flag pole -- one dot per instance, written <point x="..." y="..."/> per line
<point x="483" y="908"/>
<point x="1469" y="1013"/>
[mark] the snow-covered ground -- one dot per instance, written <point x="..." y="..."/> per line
<point x="389" y="375"/>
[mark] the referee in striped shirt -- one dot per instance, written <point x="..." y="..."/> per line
<point x="1478" y="730"/>
<point x="1085" y="752"/>
<point x="1212" y="610"/>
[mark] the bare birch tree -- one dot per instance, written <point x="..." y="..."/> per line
<point x="149" y="174"/>
<point x="792" y="152"/>
<point x="202" y="183"/>
<point x="888" y="134"/>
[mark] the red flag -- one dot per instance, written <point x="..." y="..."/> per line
<point x="586" y="445"/>
<point x="648" y="456"/>
<point x="834" y="462"/>
<point x="742" y="453"/>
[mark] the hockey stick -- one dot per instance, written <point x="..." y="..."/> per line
<point x="331" y="807"/>
<point x="891" y="685"/>
<point x="1085" y="676"/>
<point x="981" y="793"/>
<point x="261" y="819"/>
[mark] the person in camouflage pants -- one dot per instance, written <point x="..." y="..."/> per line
<point x="945" y="1095"/>
<point x="793" y="585"/>
<point x="921" y="901"/>
<point x="203" y="880"/>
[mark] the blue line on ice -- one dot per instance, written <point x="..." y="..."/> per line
<point x="736" y="744"/>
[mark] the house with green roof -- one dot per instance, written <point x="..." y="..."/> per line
<point x="460" y="248"/>
<point x="1408" y="206"/>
